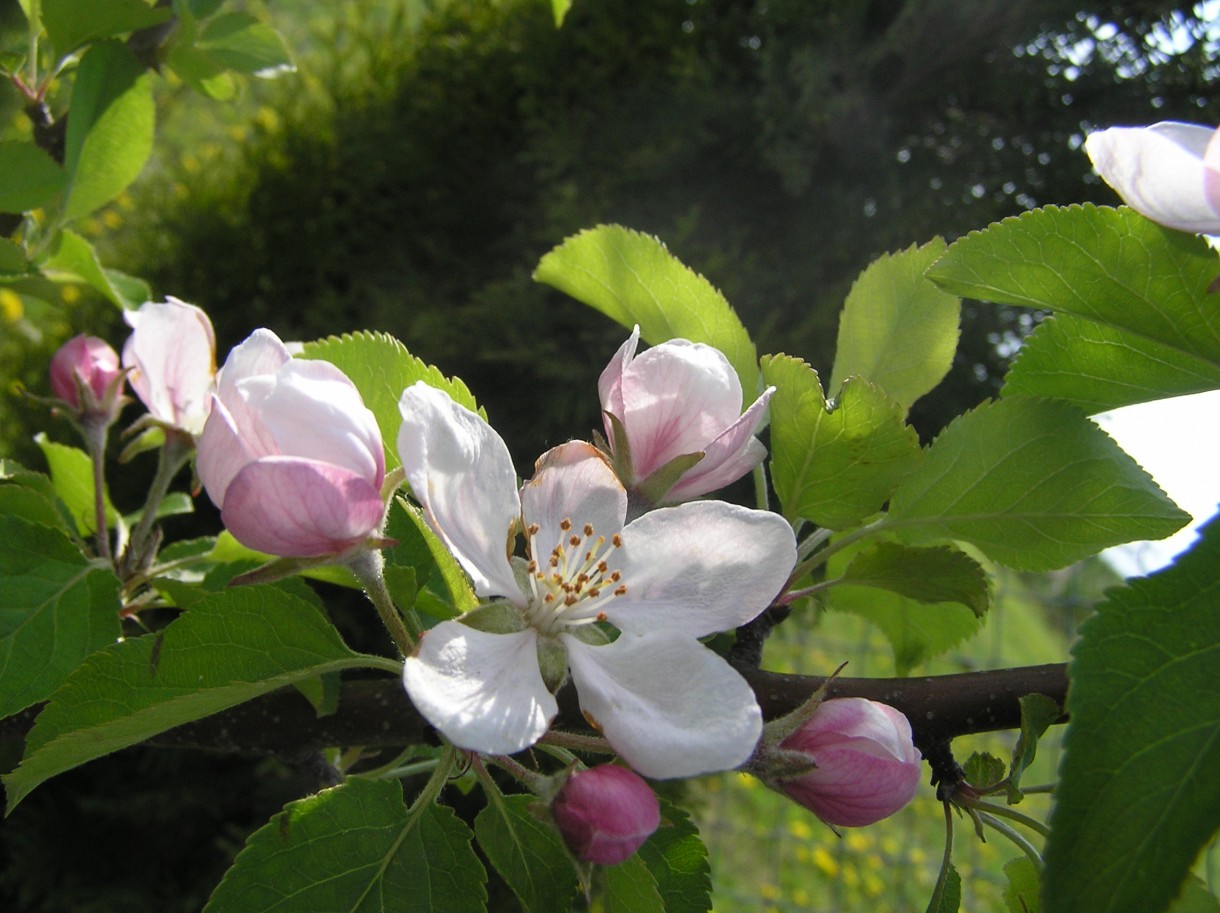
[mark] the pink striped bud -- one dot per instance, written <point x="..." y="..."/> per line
<point x="606" y="813"/>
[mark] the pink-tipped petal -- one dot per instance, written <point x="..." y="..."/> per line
<point x="668" y="705"/>
<point x="460" y="470"/>
<point x="484" y="691"/>
<point x="730" y="456"/>
<point x="610" y="384"/>
<point x="300" y="508"/>
<point x="221" y="453"/>
<point x="172" y="356"/>
<point x="574" y="482"/>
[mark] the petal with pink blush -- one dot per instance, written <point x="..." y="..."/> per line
<point x="668" y="705"/>
<point x="221" y="452"/>
<point x="610" y="384"/>
<point x="573" y="481"/>
<point x="730" y="456"/>
<point x="461" y="473"/>
<point x="484" y="691"/>
<point x="300" y="508"/>
<point x="172" y="354"/>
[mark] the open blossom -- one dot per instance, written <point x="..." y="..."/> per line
<point x="290" y="454"/>
<point x="87" y="364"/>
<point x="677" y="399"/>
<point x="1169" y="172"/>
<point x="867" y="765"/>
<point x="171" y="354"/>
<point x="605" y="813"/>
<point x="668" y="705"/>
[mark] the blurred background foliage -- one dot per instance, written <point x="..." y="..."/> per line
<point x="425" y="155"/>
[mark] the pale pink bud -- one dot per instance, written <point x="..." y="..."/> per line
<point x="867" y="766"/>
<point x="679" y="399"/>
<point x="172" y="356"/>
<point x="606" y="813"/>
<point x="290" y="453"/>
<point x="91" y="362"/>
<point x="1169" y="172"/>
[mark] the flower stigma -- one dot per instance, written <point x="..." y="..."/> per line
<point x="576" y="581"/>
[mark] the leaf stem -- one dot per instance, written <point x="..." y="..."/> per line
<point x="1013" y="815"/>
<point x="172" y="457"/>
<point x="1016" y="837"/>
<point x="946" y="864"/>
<point x="95" y="428"/>
<point x="577" y="742"/>
<point x="368" y="565"/>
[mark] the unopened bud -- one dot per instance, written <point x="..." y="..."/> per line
<point x="84" y="374"/>
<point x="606" y="813"/>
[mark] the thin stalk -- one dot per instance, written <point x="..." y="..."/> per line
<point x="812" y="542"/>
<point x="761" y="496"/>
<point x="436" y="782"/>
<point x="172" y="457"/>
<point x="1015" y="836"/>
<point x="95" y="428"/>
<point x="368" y="565"/>
<point x="838" y="545"/>
<point x="577" y="742"/>
<point x="938" y="892"/>
<point x="1013" y="815"/>
<point x="535" y="782"/>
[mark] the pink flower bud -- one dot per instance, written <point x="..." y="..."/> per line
<point x="290" y="453"/>
<point x="95" y="363"/>
<point x="679" y="399"/>
<point x="867" y="766"/>
<point x="172" y="356"/>
<point x="605" y="813"/>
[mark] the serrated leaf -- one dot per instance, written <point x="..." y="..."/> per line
<point x="229" y="648"/>
<point x="1032" y="483"/>
<point x="834" y="466"/>
<point x="71" y="258"/>
<point x="31" y="178"/>
<point x="1038" y="712"/>
<point x="633" y="279"/>
<point x="110" y="132"/>
<point x="420" y="548"/>
<point x="55" y="609"/>
<point x="1147" y="287"/>
<point x="898" y="330"/>
<point x="948" y="895"/>
<point x="72" y="476"/>
<point x="1022" y="893"/>
<point x="983" y="770"/>
<point x="628" y="888"/>
<point x="936" y="574"/>
<point x="356" y="848"/>
<point x="528" y="853"/>
<point x="1138" y="796"/>
<point x="381" y="368"/>
<point x="677" y="859"/>
<point x="72" y="23"/>
<point x="31" y="505"/>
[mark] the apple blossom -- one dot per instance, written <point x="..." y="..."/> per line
<point x="86" y="366"/>
<point x="667" y="704"/>
<point x="605" y="813"/>
<point x="171" y="354"/>
<point x="867" y="765"/>
<point x="290" y="454"/>
<point x="679" y="399"/>
<point x="1169" y="172"/>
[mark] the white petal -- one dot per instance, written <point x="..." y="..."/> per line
<point x="460" y="471"/>
<point x="572" y="482"/>
<point x="701" y="567"/>
<point x="610" y="384"/>
<point x="172" y="351"/>
<point x="730" y="456"/>
<point x="483" y="691"/>
<point x="244" y="383"/>
<point x="220" y="453"/>
<point x="667" y="704"/>
<point x="1164" y="172"/>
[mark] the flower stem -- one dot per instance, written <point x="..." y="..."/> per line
<point x="946" y="862"/>
<point x="173" y="456"/>
<point x="436" y="782"/>
<point x="95" y="428"/>
<point x="1018" y="839"/>
<point x="577" y="742"/>
<point x="368" y="564"/>
<point x="1012" y="814"/>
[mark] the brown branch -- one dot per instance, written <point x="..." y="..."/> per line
<point x="377" y="713"/>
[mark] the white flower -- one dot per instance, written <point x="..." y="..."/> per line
<point x="668" y="705"/>
<point x="1169" y="172"/>
<point x="171" y="354"/>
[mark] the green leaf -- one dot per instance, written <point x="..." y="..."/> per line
<point x="72" y="259"/>
<point x="201" y="72"/>
<point x="936" y="574"/>
<point x="355" y="847"/>
<point x="948" y="896"/>
<point x="559" y="9"/>
<point x="834" y="466"/>
<point x="229" y="648"/>
<point x="32" y="505"/>
<point x="381" y="368"/>
<point x="240" y="42"/>
<point x="1195" y="898"/>
<point x="983" y="770"/>
<point x="55" y="609"/>
<point x="420" y="548"/>
<point x="1144" y="285"/>
<point x="1032" y="483"/>
<point x="31" y="177"/>
<point x="1038" y="712"/>
<point x="1138" y="796"/>
<point x="898" y="330"/>
<point x="72" y="476"/>
<point x="633" y="279"/>
<point x="12" y="260"/>
<point x="1022" y="893"/>
<point x="72" y="23"/>
<point x="528" y="853"/>
<point x="677" y="859"/>
<point x="628" y="888"/>
<point x="110" y="132"/>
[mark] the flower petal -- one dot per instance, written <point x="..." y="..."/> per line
<point x="220" y="453"/>
<point x="172" y="354"/>
<point x="610" y="384"/>
<point x="246" y="380"/>
<point x="574" y="482"/>
<point x="300" y="508"/>
<point x="484" y="691"/>
<point x="701" y="567"/>
<point x="677" y="397"/>
<point x="667" y="704"/>
<point x="733" y="453"/>
<point x="1168" y="172"/>
<point x="460" y="470"/>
